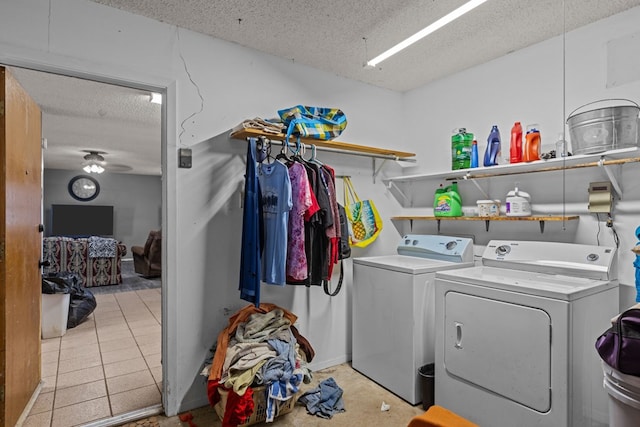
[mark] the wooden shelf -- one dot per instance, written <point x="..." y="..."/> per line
<point x="487" y="219"/>
<point x="334" y="145"/>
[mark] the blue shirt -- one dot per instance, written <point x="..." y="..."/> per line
<point x="275" y="187"/>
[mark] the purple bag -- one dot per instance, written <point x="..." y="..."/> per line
<point x="619" y="346"/>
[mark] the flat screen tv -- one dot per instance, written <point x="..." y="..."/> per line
<point x="81" y="220"/>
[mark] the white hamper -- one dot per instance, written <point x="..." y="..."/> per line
<point x="624" y="397"/>
<point x="55" y="311"/>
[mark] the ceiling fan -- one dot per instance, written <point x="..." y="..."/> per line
<point x="94" y="161"/>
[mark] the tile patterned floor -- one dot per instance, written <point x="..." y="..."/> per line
<point x="108" y="365"/>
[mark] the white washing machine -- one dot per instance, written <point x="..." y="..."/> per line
<point x="393" y="309"/>
<point x="515" y="337"/>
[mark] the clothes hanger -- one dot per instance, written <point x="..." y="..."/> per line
<point x="283" y="152"/>
<point x="313" y="158"/>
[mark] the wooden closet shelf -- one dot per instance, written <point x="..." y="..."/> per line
<point x="337" y="145"/>
<point x="487" y="219"/>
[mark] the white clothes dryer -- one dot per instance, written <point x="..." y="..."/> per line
<point x="515" y="336"/>
<point x="393" y="309"/>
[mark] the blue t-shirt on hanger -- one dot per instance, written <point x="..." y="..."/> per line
<point x="276" y="204"/>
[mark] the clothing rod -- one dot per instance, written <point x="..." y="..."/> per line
<point x="353" y="153"/>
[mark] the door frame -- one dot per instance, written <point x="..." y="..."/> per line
<point x="166" y="87"/>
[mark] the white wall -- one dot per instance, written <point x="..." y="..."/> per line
<point x="527" y="86"/>
<point x="202" y="215"/>
<point x="136" y="201"/>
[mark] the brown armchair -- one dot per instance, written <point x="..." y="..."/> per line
<point x="147" y="260"/>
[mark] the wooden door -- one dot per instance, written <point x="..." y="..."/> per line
<point x="20" y="247"/>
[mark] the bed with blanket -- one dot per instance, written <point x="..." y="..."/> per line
<point x="96" y="260"/>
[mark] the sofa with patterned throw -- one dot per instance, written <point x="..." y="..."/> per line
<point x="96" y="260"/>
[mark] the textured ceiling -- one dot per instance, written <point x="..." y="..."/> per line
<point x="339" y="36"/>
<point x="81" y="115"/>
<point x="330" y="35"/>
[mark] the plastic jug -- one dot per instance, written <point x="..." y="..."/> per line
<point x="474" y="154"/>
<point x="447" y="201"/>
<point x="515" y="148"/>
<point x="532" y="145"/>
<point x="518" y="203"/>
<point x="461" y="149"/>
<point x="494" y="147"/>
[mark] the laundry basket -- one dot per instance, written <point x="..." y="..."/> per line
<point x="259" y="405"/>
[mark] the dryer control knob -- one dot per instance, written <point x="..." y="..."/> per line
<point x="592" y="257"/>
<point x="503" y="250"/>
<point x="450" y="245"/>
<point x="415" y="242"/>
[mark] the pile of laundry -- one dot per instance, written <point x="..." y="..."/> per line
<point x="325" y="400"/>
<point x="260" y="347"/>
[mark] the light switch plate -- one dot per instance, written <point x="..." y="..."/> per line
<point x="184" y="158"/>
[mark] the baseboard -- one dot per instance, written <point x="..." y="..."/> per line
<point x="317" y="366"/>
<point x="30" y="403"/>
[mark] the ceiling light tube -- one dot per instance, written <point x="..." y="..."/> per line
<point x="467" y="7"/>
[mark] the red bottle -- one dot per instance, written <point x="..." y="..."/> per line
<point x="516" y="143"/>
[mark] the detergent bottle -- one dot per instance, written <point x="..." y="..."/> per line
<point x="515" y="149"/>
<point x="461" y="149"/>
<point x="494" y="147"/>
<point x="532" y="145"/>
<point x="518" y="203"/>
<point x="474" y="154"/>
<point x="447" y="201"/>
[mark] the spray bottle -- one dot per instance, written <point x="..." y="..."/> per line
<point x="494" y="147"/>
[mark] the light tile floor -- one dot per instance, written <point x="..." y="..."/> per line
<point x="108" y="365"/>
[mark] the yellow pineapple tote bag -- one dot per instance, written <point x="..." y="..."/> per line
<point x="364" y="220"/>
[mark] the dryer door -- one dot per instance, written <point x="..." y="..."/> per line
<point x="499" y="346"/>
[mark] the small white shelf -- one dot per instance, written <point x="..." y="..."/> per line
<point x="625" y="155"/>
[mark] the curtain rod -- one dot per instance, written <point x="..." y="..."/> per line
<point x="338" y="150"/>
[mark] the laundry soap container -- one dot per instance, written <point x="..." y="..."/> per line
<point x="518" y="203"/>
<point x="447" y="201"/>
<point x="488" y="207"/>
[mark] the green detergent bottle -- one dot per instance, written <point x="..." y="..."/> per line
<point x="461" y="144"/>
<point x="447" y="201"/>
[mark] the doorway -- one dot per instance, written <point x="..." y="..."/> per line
<point x="109" y="366"/>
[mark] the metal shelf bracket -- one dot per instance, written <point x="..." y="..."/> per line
<point x="608" y="170"/>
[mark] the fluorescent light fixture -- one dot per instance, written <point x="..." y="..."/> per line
<point x="452" y="16"/>
<point x="156" y="98"/>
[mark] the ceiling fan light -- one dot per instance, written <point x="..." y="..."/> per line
<point x="93" y="168"/>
